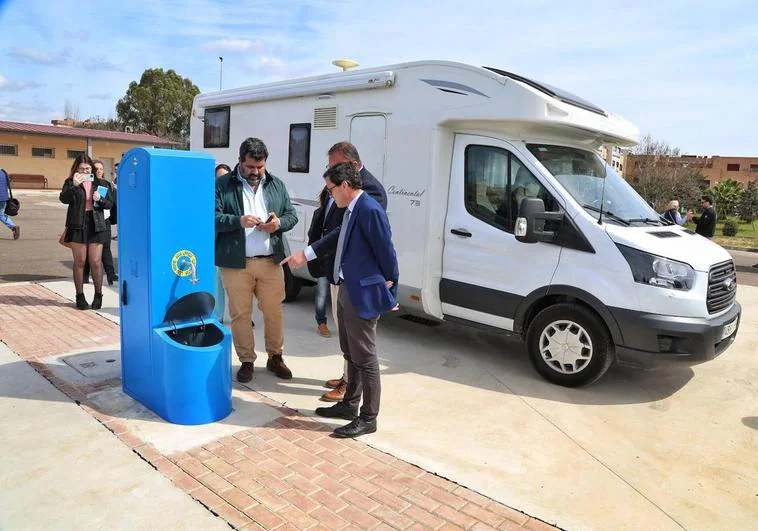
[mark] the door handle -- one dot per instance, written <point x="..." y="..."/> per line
<point x="461" y="232"/>
<point x="124" y="296"/>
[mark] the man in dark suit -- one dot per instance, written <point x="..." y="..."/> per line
<point x="322" y="243"/>
<point x="705" y="224"/>
<point x="365" y="265"/>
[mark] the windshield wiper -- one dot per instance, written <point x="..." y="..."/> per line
<point x="645" y="220"/>
<point x="611" y="215"/>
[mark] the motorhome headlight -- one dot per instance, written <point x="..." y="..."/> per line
<point x="658" y="271"/>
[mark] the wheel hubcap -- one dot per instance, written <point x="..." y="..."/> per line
<point x="566" y="347"/>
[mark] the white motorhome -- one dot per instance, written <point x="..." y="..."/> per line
<point x="503" y="214"/>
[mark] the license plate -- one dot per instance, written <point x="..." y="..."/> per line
<point x="729" y="329"/>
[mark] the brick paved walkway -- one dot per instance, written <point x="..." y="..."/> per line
<point x="287" y="474"/>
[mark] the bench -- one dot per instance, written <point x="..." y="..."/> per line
<point x="27" y="180"/>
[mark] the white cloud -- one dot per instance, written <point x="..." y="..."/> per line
<point x="24" y="111"/>
<point x="17" y="86"/>
<point x="234" y="45"/>
<point x="38" y="56"/>
<point x="102" y="63"/>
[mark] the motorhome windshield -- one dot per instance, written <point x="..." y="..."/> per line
<point x="583" y="173"/>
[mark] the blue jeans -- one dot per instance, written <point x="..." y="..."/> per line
<point x="220" y="299"/>
<point x="4" y="218"/>
<point x="322" y="294"/>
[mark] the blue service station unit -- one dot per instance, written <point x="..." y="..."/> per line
<point x="175" y="355"/>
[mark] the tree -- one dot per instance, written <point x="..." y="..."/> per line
<point x="71" y="111"/>
<point x="661" y="175"/>
<point x="727" y="195"/>
<point x="160" y="104"/>
<point x="104" y="124"/>
<point x="748" y="207"/>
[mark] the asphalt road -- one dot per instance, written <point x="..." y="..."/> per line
<point x="38" y="256"/>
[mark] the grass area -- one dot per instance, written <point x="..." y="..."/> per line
<point x="746" y="238"/>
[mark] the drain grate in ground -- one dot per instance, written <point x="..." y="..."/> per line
<point x="96" y="365"/>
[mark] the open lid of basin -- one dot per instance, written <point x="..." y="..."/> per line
<point x="191" y="307"/>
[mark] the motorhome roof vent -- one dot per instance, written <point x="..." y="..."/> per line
<point x="325" y="118"/>
<point x="664" y="234"/>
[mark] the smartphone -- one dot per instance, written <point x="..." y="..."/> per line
<point x="89" y="177"/>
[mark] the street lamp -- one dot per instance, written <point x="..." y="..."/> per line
<point x="221" y="72"/>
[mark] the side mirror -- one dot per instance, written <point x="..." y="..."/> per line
<point x="530" y="224"/>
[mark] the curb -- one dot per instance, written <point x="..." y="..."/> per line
<point x="747" y="250"/>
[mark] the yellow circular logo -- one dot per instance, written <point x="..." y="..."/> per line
<point x="179" y="262"/>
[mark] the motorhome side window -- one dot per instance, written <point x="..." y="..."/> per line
<point x="216" y="127"/>
<point x="495" y="184"/>
<point x="300" y="148"/>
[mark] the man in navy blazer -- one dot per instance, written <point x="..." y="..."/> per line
<point x="322" y="243"/>
<point x="365" y="265"/>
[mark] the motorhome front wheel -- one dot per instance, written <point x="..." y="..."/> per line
<point x="569" y="345"/>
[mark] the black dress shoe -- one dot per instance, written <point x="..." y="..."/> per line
<point x="356" y="428"/>
<point x="337" y="411"/>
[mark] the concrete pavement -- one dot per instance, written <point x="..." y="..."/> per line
<point x="61" y="469"/>
<point x="661" y="449"/>
<point x="265" y="466"/>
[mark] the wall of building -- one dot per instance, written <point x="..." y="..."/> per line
<point x="714" y="169"/>
<point x="57" y="169"/>
<point x="717" y="169"/>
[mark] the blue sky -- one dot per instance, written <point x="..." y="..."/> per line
<point x="682" y="72"/>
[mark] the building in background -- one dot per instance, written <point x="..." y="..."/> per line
<point x="714" y="169"/>
<point x="33" y="151"/>
<point x="615" y="157"/>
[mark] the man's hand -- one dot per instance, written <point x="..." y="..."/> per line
<point x="271" y="226"/>
<point x="249" y="221"/>
<point x="295" y="261"/>
<point x="389" y="284"/>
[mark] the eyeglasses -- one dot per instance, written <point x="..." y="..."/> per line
<point x="330" y="188"/>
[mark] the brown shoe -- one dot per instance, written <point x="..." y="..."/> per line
<point x="324" y="330"/>
<point x="16" y="232"/>
<point x="276" y="365"/>
<point x="245" y="374"/>
<point x="334" y="383"/>
<point x="335" y="395"/>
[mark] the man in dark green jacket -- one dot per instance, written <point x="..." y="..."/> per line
<point x="253" y="211"/>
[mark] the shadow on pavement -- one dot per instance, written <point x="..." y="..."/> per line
<point x="20" y="277"/>
<point x="469" y="357"/>
<point x="25" y="300"/>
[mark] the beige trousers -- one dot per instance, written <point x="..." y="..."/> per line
<point x="264" y="279"/>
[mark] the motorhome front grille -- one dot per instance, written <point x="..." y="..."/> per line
<point x="325" y="118"/>
<point x="722" y="286"/>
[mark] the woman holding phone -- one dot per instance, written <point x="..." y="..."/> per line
<point x="108" y="267"/>
<point x="86" y="196"/>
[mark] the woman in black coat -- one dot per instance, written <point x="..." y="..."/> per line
<point x="86" y="229"/>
